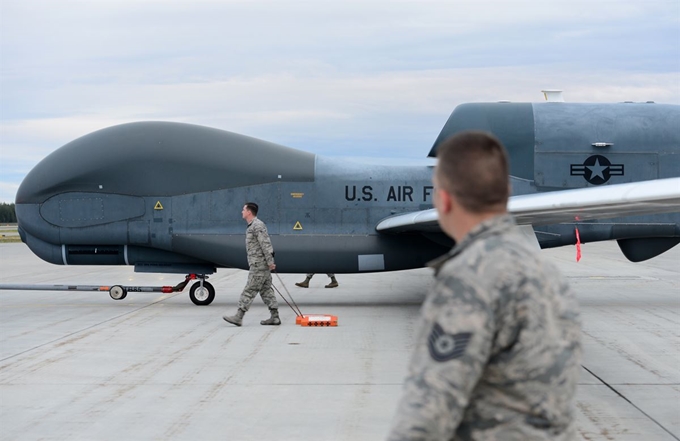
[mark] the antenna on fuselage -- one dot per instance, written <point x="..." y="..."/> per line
<point x="553" y="95"/>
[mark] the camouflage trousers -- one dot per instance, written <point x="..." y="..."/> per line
<point x="258" y="282"/>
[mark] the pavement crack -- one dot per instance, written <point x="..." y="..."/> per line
<point x="631" y="403"/>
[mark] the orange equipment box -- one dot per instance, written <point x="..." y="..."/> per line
<point x="316" y="320"/>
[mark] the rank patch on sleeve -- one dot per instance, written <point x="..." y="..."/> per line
<point x="444" y="346"/>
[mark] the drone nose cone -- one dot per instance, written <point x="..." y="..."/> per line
<point x="28" y="190"/>
<point x="146" y="158"/>
<point x="27" y="207"/>
<point x="69" y="168"/>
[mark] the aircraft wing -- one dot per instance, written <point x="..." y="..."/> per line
<point x="635" y="198"/>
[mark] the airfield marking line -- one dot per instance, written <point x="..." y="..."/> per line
<point x="630" y="402"/>
<point x="85" y="329"/>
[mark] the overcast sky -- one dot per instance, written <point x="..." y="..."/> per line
<point x="337" y="78"/>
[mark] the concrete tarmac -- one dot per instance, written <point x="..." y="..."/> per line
<point x="79" y="365"/>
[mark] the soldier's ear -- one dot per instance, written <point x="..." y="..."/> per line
<point x="445" y="202"/>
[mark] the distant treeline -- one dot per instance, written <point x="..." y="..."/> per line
<point x="7" y="213"/>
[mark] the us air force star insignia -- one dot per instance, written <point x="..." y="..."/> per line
<point x="444" y="346"/>
<point x="596" y="169"/>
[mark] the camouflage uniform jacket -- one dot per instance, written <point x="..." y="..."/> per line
<point x="498" y="350"/>
<point x="258" y="246"/>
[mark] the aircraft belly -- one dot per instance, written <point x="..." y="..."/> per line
<point x="227" y="251"/>
<point x="317" y="252"/>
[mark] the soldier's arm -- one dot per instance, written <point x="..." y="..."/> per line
<point x="451" y="350"/>
<point x="265" y="243"/>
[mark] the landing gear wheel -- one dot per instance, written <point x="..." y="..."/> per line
<point x="117" y="292"/>
<point x="202" y="295"/>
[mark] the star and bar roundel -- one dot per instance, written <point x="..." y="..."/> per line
<point x="597" y="169"/>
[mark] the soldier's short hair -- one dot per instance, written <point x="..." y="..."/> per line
<point x="252" y="207"/>
<point x="473" y="166"/>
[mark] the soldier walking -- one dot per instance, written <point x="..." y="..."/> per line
<point x="261" y="263"/>
<point x="498" y="349"/>
<point x="305" y="283"/>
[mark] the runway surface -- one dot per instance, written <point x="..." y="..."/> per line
<point x="154" y="366"/>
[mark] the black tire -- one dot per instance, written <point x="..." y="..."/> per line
<point x="117" y="292"/>
<point x="203" y="296"/>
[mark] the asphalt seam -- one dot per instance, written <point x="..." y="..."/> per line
<point x="631" y="403"/>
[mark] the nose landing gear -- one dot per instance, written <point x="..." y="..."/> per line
<point x="202" y="292"/>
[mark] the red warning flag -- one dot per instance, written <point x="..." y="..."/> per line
<point x="578" y="245"/>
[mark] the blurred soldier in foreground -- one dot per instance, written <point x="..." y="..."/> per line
<point x="498" y="350"/>
<point x="261" y="263"/>
<point x="305" y="283"/>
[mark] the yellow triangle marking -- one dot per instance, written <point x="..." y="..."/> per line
<point x="297" y="226"/>
<point x="158" y="206"/>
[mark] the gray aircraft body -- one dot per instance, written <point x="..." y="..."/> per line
<point x="167" y="197"/>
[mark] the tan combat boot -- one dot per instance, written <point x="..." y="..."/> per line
<point x="273" y="320"/>
<point x="304" y="284"/>
<point x="334" y="283"/>
<point x="236" y="319"/>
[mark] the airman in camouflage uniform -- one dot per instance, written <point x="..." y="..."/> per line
<point x="305" y="283"/>
<point x="498" y="348"/>
<point x="261" y="263"/>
